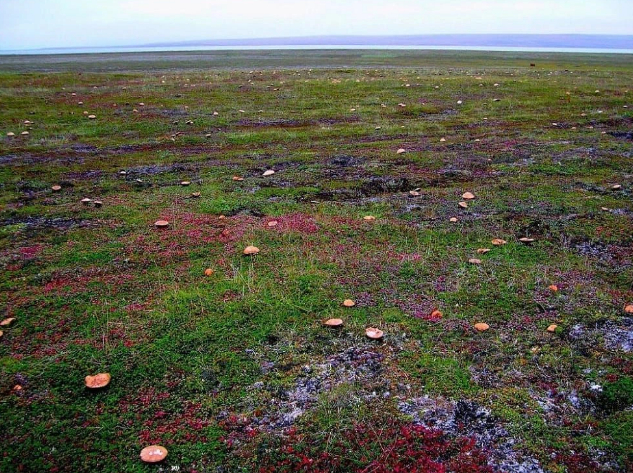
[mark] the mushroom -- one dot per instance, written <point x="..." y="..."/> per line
<point x="251" y="250"/>
<point x="468" y="195"/>
<point x="526" y="240"/>
<point x="552" y="328"/>
<point x="483" y="251"/>
<point x="161" y="224"/>
<point x="553" y="288"/>
<point x="195" y="195"/>
<point x="349" y="303"/>
<point x="98" y="203"/>
<point x="333" y="322"/>
<point x="272" y="223"/>
<point x="86" y="200"/>
<point x="239" y="178"/>
<point x="92" y="117"/>
<point x="10" y="134"/>
<point x="100" y="380"/>
<point x="463" y="205"/>
<point x="498" y="242"/>
<point x="24" y="133"/>
<point x="481" y="327"/>
<point x="474" y="261"/>
<point x="208" y="272"/>
<point x="400" y="151"/>
<point x="369" y="218"/>
<point x="185" y="183"/>
<point x="373" y="333"/>
<point x="628" y="309"/>
<point x="452" y="219"/>
<point x="436" y="314"/>
<point x="56" y="188"/>
<point x="616" y="187"/>
<point x="270" y="172"/>
<point x="7" y="322"/>
<point x="153" y="454"/>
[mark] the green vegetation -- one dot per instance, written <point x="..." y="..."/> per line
<point x="235" y="369"/>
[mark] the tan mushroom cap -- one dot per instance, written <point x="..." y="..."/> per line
<point x="552" y="328"/>
<point x="474" y="261"/>
<point x="10" y="134"/>
<point x="100" y="380"/>
<point x="24" y="133"/>
<point x="270" y="172"/>
<point x="92" y="117"/>
<point x="1" y="333"/>
<point x="481" y="327"/>
<point x="272" y="223"/>
<point x="437" y="314"/>
<point x="86" y="201"/>
<point x="333" y="322"/>
<point x="374" y="333"/>
<point x="615" y="187"/>
<point x="349" y="303"/>
<point x="195" y="194"/>
<point x="185" y="183"/>
<point x="208" y="272"/>
<point x="369" y="218"/>
<point x="526" y="240"/>
<point x="56" y="188"/>
<point x="7" y="322"/>
<point x="498" y="242"/>
<point x="238" y="178"/>
<point x="153" y="454"/>
<point x="251" y="250"/>
<point x="463" y="205"/>
<point x="401" y="150"/>
<point x="161" y="223"/>
<point x="483" y="251"/>
<point x="553" y="288"/>
<point x="452" y="219"/>
<point x="468" y="195"/>
<point x="629" y="309"/>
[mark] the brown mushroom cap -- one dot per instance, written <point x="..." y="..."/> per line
<point x="483" y="251"/>
<point x="369" y="218"/>
<point x="436" y="314"/>
<point x="481" y="327"/>
<point x="7" y="322"/>
<point x="153" y="454"/>
<point x="251" y="250"/>
<point x="552" y="328"/>
<point x="161" y="224"/>
<point x="238" y="178"/>
<point x="553" y="288"/>
<point x="333" y="322"/>
<point x="349" y="303"/>
<point x="468" y="195"/>
<point x="374" y="333"/>
<point x="100" y="380"/>
<point x="629" y="309"/>
<point x="208" y="272"/>
<point x="463" y="205"/>
<point x="56" y="188"/>
<point x="498" y="242"/>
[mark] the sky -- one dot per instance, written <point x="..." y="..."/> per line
<point x="31" y="24"/>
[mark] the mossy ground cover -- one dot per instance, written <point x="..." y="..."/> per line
<point x="234" y="371"/>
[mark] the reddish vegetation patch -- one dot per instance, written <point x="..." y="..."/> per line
<point x="296" y="222"/>
<point x="395" y="448"/>
<point x="30" y="252"/>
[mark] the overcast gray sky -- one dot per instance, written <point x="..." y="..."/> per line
<point x="26" y="24"/>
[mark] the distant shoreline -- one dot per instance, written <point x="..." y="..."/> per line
<point x="158" y="49"/>
<point x="467" y="42"/>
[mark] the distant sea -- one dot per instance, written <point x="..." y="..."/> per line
<point x="138" y="49"/>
